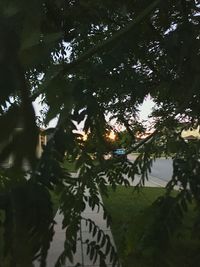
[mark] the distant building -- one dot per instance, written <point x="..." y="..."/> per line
<point x="191" y="133"/>
<point x="42" y="141"/>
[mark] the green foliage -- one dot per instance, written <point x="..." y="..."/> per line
<point x="87" y="60"/>
<point x="28" y="215"/>
<point x="139" y="227"/>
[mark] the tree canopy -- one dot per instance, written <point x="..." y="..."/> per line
<point x="90" y="60"/>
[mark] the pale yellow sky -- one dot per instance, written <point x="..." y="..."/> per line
<point x="145" y="110"/>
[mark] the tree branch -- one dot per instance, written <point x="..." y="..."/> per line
<point x="142" y="142"/>
<point x="112" y="40"/>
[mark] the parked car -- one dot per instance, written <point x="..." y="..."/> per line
<point x="119" y="153"/>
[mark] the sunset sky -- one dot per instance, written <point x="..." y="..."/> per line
<point x="145" y="110"/>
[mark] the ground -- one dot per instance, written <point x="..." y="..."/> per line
<point x="128" y="211"/>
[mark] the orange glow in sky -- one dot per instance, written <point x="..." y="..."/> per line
<point x="84" y="136"/>
<point x="112" y="135"/>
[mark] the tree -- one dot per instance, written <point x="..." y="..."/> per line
<point x="88" y="59"/>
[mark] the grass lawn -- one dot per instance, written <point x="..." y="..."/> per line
<point x="127" y="209"/>
<point x="55" y="202"/>
<point x="70" y="166"/>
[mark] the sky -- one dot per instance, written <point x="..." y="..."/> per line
<point x="145" y="110"/>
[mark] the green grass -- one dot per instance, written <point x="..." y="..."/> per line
<point x="128" y="211"/>
<point x="55" y="201"/>
<point x="70" y="166"/>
